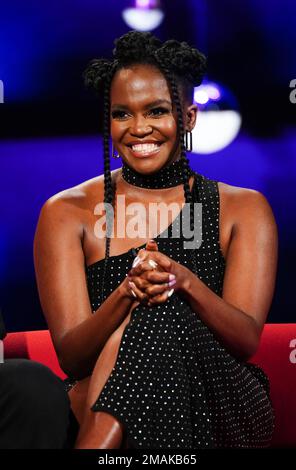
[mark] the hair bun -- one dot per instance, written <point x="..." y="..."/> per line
<point x="135" y="45"/>
<point x="183" y="60"/>
<point x="96" y="73"/>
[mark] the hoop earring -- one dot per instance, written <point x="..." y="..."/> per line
<point x="188" y="141"/>
<point x="113" y="153"/>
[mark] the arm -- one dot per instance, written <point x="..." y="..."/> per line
<point x="237" y="319"/>
<point x="78" y="334"/>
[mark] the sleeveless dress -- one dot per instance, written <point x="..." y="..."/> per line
<point x="174" y="385"/>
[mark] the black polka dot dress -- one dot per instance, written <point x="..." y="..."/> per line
<point x="174" y="385"/>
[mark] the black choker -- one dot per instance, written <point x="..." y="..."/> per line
<point x="166" y="177"/>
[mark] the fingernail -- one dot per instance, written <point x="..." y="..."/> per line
<point x="136" y="261"/>
<point x="171" y="283"/>
<point x="170" y="292"/>
<point x="133" y="293"/>
<point x="132" y="284"/>
<point x="171" y="277"/>
<point x="152" y="263"/>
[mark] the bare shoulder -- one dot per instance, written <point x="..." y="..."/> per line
<point x="76" y="197"/>
<point x="66" y="212"/>
<point x="244" y="204"/>
<point x="77" y="202"/>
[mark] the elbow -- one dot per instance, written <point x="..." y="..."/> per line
<point x="66" y="365"/>
<point x="251" y="343"/>
<point x="71" y="368"/>
<point x="74" y="367"/>
<point x="64" y="359"/>
<point x="66" y="368"/>
<point x="247" y="354"/>
<point x="245" y="345"/>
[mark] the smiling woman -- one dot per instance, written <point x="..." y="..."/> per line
<point x="156" y="348"/>
<point x="153" y="127"/>
<point x="146" y="147"/>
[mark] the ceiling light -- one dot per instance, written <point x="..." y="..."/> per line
<point x="144" y="15"/>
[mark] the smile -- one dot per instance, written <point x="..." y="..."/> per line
<point x="144" y="150"/>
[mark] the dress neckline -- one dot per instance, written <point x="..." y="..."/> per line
<point x="130" y="252"/>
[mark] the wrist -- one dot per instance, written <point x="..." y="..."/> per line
<point x="186" y="283"/>
<point x="125" y="291"/>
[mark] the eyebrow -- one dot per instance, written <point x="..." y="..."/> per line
<point x="147" y="106"/>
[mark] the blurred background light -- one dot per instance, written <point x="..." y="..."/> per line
<point x="144" y="15"/>
<point x="218" y="120"/>
<point x="51" y="127"/>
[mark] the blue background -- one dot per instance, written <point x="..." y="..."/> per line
<point x="50" y="125"/>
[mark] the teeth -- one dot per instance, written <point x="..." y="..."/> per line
<point x="145" y="147"/>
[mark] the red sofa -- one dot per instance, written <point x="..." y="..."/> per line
<point x="276" y="355"/>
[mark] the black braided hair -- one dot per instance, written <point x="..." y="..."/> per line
<point x="183" y="67"/>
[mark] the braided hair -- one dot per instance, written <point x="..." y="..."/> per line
<point x="183" y="68"/>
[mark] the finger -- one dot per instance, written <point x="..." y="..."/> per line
<point x="161" y="298"/>
<point x="152" y="289"/>
<point x="140" y="283"/>
<point x="141" y="256"/>
<point x="152" y="263"/>
<point x="157" y="289"/>
<point x="151" y="245"/>
<point x="165" y="281"/>
<point x="140" y="268"/>
<point x="162" y="260"/>
<point x="141" y="296"/>
<point x="140" y="265"/>
<point x="158" y="277"/>
<point x="137" y="260"/>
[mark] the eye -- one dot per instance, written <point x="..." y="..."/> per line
<point x="158" y="111"/>
<point x="118" y="114"/>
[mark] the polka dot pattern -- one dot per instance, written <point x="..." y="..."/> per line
<point x="166" y="177"/>
<point x="174" y="385"/>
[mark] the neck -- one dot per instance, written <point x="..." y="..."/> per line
<point x="167" y="177"/>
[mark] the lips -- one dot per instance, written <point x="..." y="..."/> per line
<point x="144" y="149"/>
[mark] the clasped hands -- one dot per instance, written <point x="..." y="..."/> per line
<point x="154" y="276"/>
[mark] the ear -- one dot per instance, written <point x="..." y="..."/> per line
<point x="190" y="117"/>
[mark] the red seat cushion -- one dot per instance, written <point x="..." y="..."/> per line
<point x="277" y="357"/>
<point x="35" y="345"/>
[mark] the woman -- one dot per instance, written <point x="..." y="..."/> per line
<point x="158" y="344"/>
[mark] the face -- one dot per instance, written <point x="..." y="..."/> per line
<point x="143" y="120"/>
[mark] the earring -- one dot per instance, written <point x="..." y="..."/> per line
<point x="113" y="153"/>
<point x="188" y="140"/>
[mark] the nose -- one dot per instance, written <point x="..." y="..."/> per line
<point x="140" y="126"/>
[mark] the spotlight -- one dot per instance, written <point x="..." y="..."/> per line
<point x="144" y="15"/>
<point x="218" y="120"/>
